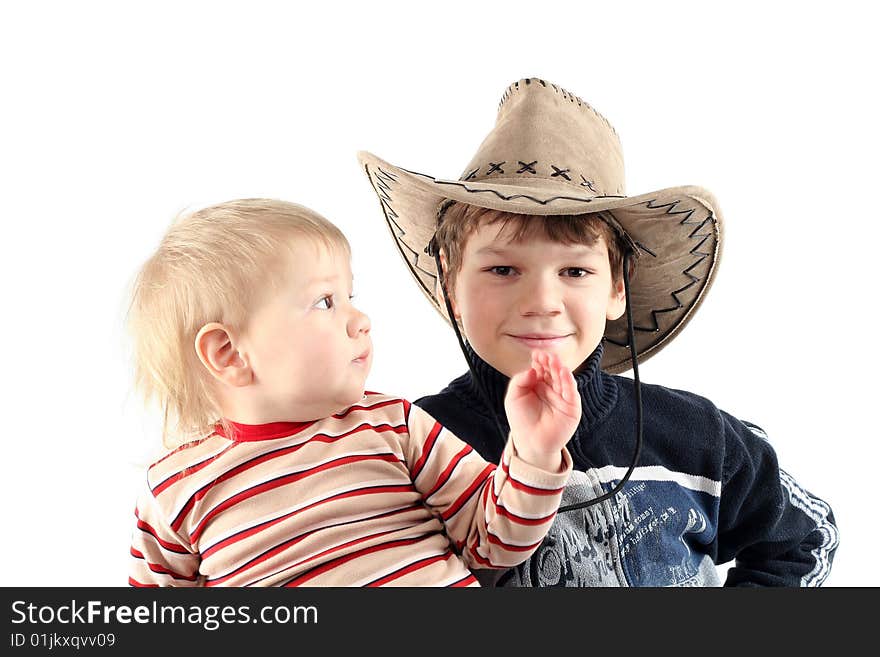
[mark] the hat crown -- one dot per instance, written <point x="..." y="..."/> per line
<point x="544" y="133"/>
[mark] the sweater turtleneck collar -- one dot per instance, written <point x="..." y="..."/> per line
<point x="597" y="389"/>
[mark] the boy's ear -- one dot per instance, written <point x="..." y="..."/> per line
<point x="216" y="348"/>
<point x="439" y="290"/>
<point x="617" y="300"/>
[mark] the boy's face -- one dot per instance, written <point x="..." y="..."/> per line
<point x="308" y="346"/>
<point x="535" y="294"/>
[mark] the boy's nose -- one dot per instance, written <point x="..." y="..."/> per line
<point x="358" y="323"/>
<point x="541" y="297"/>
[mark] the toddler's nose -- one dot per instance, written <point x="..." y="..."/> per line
<point x="358" y="323"/>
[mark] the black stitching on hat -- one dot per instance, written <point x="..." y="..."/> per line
<point x="699" y="226"/>
<point x="645" y="249"/>
<point x="493" y="167"/>
<point x="539" y="201"/>
<point x="560" y="172"/>
<point x="526" y="196"/>
<point x="391" y="216"/>
<point x="566" y="94"/>
<point x="530" y="167"/>
<point x="472" y="174"/>
<point x="413" y="251"/>
<point x="380" y="180"/>
<point x="388" y="174"/>
<point x="588" y="183"/>
<point x="688" y="213"/>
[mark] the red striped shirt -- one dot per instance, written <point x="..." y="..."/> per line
<point x="355" y="499"/>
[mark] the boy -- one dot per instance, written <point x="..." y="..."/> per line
<point x="536" y="243"/>
<point x="245" y="331"/>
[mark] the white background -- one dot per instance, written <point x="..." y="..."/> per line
<point x="116" y="116"/>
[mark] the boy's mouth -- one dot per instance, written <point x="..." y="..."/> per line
<point x="539" y="340"/>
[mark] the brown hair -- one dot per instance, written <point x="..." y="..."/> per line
<point x="458" y="221"/>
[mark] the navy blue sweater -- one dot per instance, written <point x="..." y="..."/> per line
<point x="707" y="490"/>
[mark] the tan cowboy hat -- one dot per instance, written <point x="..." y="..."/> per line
<point x="551" y="153"/>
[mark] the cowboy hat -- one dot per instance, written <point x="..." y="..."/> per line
<point x="550" y="153"/>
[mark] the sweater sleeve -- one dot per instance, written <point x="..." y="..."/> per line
<point x="159" y="556"/>
<point x="778" y="533"/>
<point x="495" y="516"/>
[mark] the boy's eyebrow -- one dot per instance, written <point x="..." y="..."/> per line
<point x="578" y="249"/>
<point x="490" y="250"/>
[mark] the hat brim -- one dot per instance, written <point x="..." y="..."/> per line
<point x="677" y="231"/>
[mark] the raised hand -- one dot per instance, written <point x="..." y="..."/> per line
<point x="543" y="408"/>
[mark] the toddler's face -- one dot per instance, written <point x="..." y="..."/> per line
<point x="515" y="297"/>
<point x="309" y="347"/>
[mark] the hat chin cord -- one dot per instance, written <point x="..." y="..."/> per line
<point x="635" y="365"/>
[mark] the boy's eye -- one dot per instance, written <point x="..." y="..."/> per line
<point x="574" y="272"/>
<point x="501" y="270"/>
<point x="325" y="302"/>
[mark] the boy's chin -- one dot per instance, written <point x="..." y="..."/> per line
<point x="512" y="364"/>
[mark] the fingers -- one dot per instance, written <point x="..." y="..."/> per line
<point x="546" y="372"/>
<point x="550" y="370"/>
<point x="524" y="380"/>
<point x="537" y="366"/>
<point x="567" y="385"/>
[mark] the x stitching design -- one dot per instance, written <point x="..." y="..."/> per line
<point x="559" y="172"/>
<point x="588" y="183"/>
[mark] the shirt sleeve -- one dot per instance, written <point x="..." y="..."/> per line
<point x="159" y="556"/>
<point x="495" y="515"/>
<point x="778" y="533"/>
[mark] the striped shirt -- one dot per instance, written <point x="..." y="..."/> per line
<point x="379" y="494"/>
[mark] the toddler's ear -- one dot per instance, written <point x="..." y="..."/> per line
<point x="215" y="347"/>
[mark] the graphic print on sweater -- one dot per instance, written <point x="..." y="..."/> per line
<point x="661" y="522"/>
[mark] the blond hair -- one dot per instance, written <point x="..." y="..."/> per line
<point x="212" y="265"/>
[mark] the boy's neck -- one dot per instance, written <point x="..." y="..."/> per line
<point x="597" y="391"/>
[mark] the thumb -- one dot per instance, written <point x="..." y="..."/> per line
<point x="522" y="382"/>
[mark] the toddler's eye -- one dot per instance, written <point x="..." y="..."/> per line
<point x="325" y="302"/>
<point x="575" y="272"/>
<point x="501" y="270"/>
